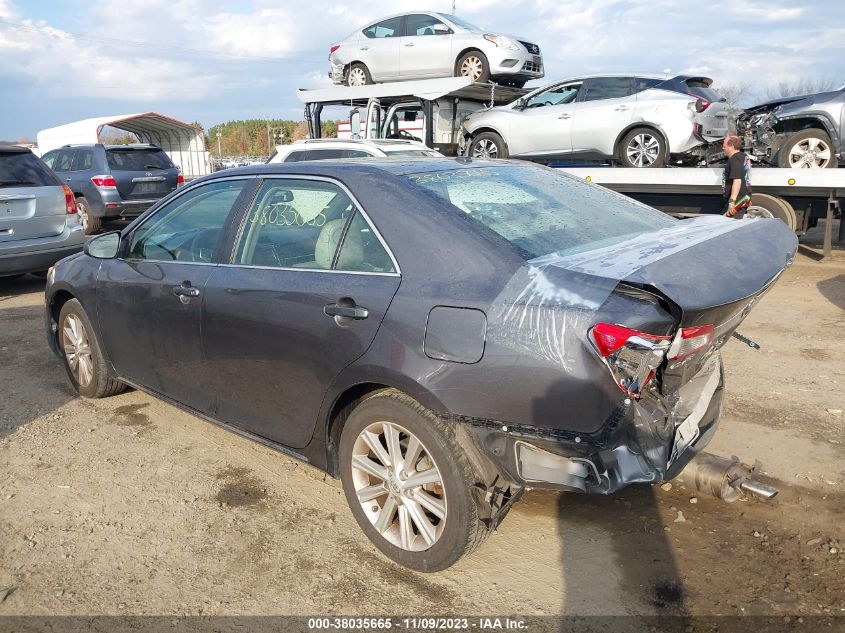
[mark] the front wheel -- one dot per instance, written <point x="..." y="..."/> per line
<point x="643" y="147"/>
<point x="473" y="64"/>
<point x="408" y="483"/>
<point x="808" y="149"/>
<point x="84" y="361"/>
<point x="487" y="145"/>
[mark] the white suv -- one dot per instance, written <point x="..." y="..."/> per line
<point x="332" y="148"/>
<point x="635" y="120"/>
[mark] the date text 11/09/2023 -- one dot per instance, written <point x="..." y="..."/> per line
<point x="416" y="624"/>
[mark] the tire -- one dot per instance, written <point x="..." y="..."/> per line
<point x="473" y="64"/>
<point x="808" y="149"/>
<point x="487" y="145"/>
<point x="91" y="223"/>
<point x="358" y="76"/>
<point x="75" y="336"/>
<point x="643" y="147"/>
<point x="429" y="543"/>
<point x="764" y="205"/>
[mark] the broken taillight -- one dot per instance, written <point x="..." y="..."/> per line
<point x="632" y="356"/>
<point x="691" y="340"/>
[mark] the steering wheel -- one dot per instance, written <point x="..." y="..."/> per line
<point x="201" y="246"/>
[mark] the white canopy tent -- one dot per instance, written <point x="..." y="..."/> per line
<point x="182" y="142"/>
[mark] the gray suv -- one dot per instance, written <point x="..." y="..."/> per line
<point x="38" y="220"/>
<point x="113" y="181"/>
<point x="805" y="131"/>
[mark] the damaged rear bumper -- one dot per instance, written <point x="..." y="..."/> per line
<point x="645" y="441"/>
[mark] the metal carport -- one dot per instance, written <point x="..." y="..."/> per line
<point x="182" y="142"/>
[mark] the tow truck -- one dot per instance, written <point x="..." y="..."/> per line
<point x="435" y="108"/>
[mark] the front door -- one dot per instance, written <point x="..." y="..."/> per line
<point x="544" y="126"/>
<point x="303" y="297"/>
<point x="151" y="297"/>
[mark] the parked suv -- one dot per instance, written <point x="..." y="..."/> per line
<point x="635" y="120"/>
<point x="806" y="131"/>
<point x="323" y="149"/>
<point x="113" y="181"/>
<point x="38" y="219"/>
<point x="424" y="45"/>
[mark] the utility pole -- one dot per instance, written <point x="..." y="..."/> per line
<point x="269" y="146"/>
<point x="453" y="7"/>
<point x="219" y="153"/>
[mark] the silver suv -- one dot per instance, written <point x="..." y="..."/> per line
<point x="425" y="45"/>
<point x="38" y="219"/>
<point x="635" y="120"/>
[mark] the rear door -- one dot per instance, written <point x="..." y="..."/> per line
<point x="604" y="110"/>
<point x="424" y="52"/>
<point x="379" y="48"/>
<point x="32" y="202"/>
<point x="149" y="299"/>
<point x="141" y="173"/>
<point x="307" y="286"/>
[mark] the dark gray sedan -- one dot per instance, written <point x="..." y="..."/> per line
<point x="441" y="334"/>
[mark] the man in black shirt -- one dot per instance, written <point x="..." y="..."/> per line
<point x="737" y="178"/>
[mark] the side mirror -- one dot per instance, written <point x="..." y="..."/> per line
<point x="103" y="246"/>
<point x="521" y="103"/>
<point x="355" y="123"/>
<point x="441" y="29"/>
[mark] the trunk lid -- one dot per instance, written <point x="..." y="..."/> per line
<point x="142" y="173"/>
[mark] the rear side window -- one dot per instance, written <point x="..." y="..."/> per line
<point x="608" y="88"/>
<point x="64" y="161"/>
<point x="24" y="169"/>
<point x="642" y="83"/>
<point x="137" y="159"/>
<point x="385" y="28"/>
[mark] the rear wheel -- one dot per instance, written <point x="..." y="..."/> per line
<point x="473" y="64"/>
<point x="408" y="482"/>
<point x="765" y="206"/>
<point x="358" y="76"/>
<point x="90" y="223"/>
<point x="487" y="145"/>
<point x="643" y="147"/>
<point x="808" y="149"/>
<point x="86" y="367"/>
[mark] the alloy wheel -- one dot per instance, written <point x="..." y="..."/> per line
<point x="643" y="150"/>
<point x="810" y="153"/>
<point x="399" y="486"/>
<point x="485" y="148"/>
<point x="77" y="350"/>
<point x="357" y="77"/>
<point x="472" y="66"/>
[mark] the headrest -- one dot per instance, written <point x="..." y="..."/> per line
<point x="353" y="249"/>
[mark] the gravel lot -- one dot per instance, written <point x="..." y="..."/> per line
<point x="129" y="506"/>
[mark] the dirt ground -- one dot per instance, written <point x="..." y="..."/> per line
<point x="129" y="506"/>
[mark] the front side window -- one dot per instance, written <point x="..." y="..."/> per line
<point x="307" y="224"/>
<point x="385" y="28"/>
<point x="608" y="88"/>
<point x="538" y="211"/>
<point x="49" y="158"/>
<point x="188" y="228"/>
<point x="558" y="95"/>
<point x="419" y="24"/>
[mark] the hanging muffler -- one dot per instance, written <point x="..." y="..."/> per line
<point x="725" y="479"/>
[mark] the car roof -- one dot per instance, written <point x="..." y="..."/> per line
<point x="13" y="149"/>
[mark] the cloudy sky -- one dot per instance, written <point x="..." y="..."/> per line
<point x="212" y="60"/>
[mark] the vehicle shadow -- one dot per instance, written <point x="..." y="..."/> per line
<point x="632" y="558"/>
<point x="16" y="286"/>
<point x="34" y="380"/>
<point x="833" y="290"/>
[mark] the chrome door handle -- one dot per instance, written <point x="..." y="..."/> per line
<point x="186" y="290"/>
<point x="621" y="108"/>
<point x="67" y="179"/>
<point x="349" y="312"/>
<point x="409" y="44"/>
<point x="565" y="116"/>
<point x="363" y="48"/>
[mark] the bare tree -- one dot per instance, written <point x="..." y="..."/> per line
<point x="737" y="94"/>
<point x="803" y="86"/>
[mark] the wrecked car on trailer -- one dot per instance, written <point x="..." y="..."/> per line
<point x="806" y="131"/>
<point x="441" y="334"/>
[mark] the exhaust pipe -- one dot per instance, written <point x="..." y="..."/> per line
<point x="725" y="479"/>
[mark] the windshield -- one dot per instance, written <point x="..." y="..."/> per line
<point x="461" y="23"/>
<point x="539" y="211"/>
